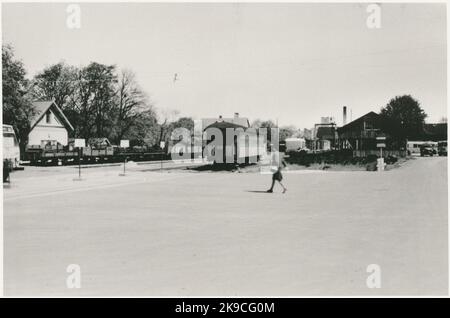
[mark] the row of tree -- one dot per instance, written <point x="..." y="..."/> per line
<point x="283" y="132"/>
<point x="99" y="100"/>
<point x="102" y="101"/>
<point x="403" y="118"/>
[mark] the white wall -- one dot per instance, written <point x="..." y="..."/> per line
<point x="53" y="130"/>
<point x="40" y="133"/>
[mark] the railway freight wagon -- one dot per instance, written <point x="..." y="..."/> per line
<point x="98" y="150"/>
<point x="232" y="140"/>
<point x="245" y="146"/>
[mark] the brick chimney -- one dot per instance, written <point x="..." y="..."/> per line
<point x="344" y="115"/>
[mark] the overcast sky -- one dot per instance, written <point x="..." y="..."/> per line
<point x="291" y="62"/>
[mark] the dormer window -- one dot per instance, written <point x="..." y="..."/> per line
<point x="48" y="117"/>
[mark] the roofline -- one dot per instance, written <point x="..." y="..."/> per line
<point x="64" y="116"/>
<point x="60" y="112"/>
<point x="226" y="122"/>
<point x="358" y="119"/>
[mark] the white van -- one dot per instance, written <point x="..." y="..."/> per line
<point x="11" y="149"/>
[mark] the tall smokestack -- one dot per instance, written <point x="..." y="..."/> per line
<point x="344" y="115"/>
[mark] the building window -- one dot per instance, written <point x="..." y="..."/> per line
<point x="47" y="117"/>
<point x="368" y="125"/>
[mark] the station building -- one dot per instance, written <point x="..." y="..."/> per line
<point x="49" y="126"/>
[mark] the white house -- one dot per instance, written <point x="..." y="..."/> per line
<point x="49" y="125"/>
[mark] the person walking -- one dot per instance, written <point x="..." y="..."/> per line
<point x="278" y="163"/>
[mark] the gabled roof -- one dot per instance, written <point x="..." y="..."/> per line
<point x="42" y="107"/>
<point x="219" y="122"/>
<point x="102" y="141"/>
<point x="369" y="115"/>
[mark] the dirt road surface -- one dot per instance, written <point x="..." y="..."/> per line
<point x="203" y="234"/>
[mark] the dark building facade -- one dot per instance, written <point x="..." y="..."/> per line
<point x="362" y="133"/>
<point x="326" y="137"/>
<point x="434" y="132"/>
<point x="239" y="151"/>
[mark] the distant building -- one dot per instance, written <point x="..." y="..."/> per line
<point x="237" y="149"/>
<point x="220" y="122"/>
<point x="324" y="136"/>
<point x="327" y="120"/>
<point x="431" y="133"/>
<point x="361" y="133"/>
<point x="98" y="142"/>
<point x="307" y="134"/>
<point x="435" y="132"/>
<point x="49" y="125"/>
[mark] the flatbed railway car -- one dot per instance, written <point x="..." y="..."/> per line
<point x="94" y="153"/>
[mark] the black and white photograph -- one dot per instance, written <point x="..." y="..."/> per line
<point x="224" y="149"/>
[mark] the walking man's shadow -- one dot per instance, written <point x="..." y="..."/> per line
<point x="256" y="191"/>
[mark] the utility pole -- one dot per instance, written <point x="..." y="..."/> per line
<point x="79" y="144"/>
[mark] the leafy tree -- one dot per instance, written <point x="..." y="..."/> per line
<point x="183" y="122"/>
<point x="101" y="79"/>
<point x="166" y="117"/>
<point x="99" y="102"/>
<point x="130" y="102"/>
<point x="17" y="107"/>
<point x="268" y="124"/>
<point x="57" y="82"/>
<point x="404" y="117"/>
<point x="286" y="132"/>
<point x="258" y="123"/>
<point x="145" y="129"/>
<point x="93" y="103"/>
